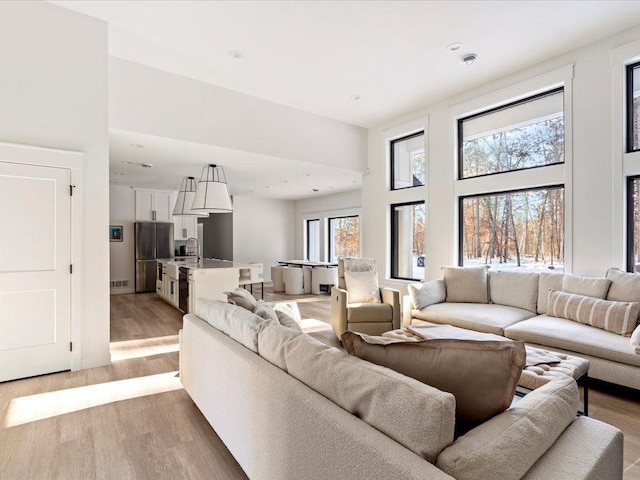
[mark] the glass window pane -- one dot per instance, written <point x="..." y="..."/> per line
<point x="344" y="237"/>
<point x="514" y="230"/>
<point x="408" y="230"/>
<point x="408" y="162"/>
<point x="633" y="259"/>
<point x="634" y="104"/>
<point x="313" y="240"/>
<point x="523" y="135"/>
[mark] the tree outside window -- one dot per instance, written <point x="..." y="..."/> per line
<point x="344" y="237"/>
<point x="407" y="244"/>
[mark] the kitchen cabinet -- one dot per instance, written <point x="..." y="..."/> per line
<point x="185" y="227"/>
<point x="154" y="206"/>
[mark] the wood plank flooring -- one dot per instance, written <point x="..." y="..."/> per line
<point x="132" y="420"/>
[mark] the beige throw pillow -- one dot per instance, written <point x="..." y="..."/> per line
<point x="635" y="339"/>
<point x="466" y="284"/>
<point x="264" y="311"/>
<point x="625" y="287"/>
<point x="288" y="321"/>
<point x="589" y="286"/>
<point x="548" y="281"/>
<point x="482" y="375"/>
<point x="427" y="293"/>
<point x="515" y="289"/>
<point x="241" y="298"/>
<point x="615" y="317"/>
<point x="361" y="279"/>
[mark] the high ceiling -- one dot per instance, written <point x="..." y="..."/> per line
<point x="360" y="62"/>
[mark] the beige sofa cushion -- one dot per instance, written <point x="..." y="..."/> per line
<point x="361" y="280"/>
<point x="415" y="415"/>
<point x="614" y="317"/>
<point x="489" y="318"/>
<point x="265" y="311"/>
<point x="466" y="284"/>
<point x="369" y="312"/>
<point x="271" y="343"/>
<point x="588" y="286"/>
<point x="548" y="281"/>
<point x="290" y="308"/>
<point x="515" y="289"/>
<point x="574" y="337"/>
<point x="625" y="287"/>
<point x="242" y="298"/>
<point x="506" y="446"/>
<point x="481" y="374"/>
<point x="427" y="293"/>
<point x="237" y="322"/>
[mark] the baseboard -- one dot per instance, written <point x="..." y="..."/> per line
<point x="93" y="362"/>
<point x="120" y="291"/>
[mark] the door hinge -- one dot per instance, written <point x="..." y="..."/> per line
<point x="71" y="187"/>
<point x="71" y="346"/>
<point x="71" y="268"/>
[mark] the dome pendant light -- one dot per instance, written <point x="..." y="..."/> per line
<point x="185" y="199"/>
<point x="212" y="194"/>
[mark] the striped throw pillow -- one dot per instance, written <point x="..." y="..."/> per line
<point x="615" y="317"/>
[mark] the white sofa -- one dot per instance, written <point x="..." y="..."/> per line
<point x="516" y="308"/>
<point x="289" y="407"/>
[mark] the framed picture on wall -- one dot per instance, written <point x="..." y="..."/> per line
<point x="115" y="233"/>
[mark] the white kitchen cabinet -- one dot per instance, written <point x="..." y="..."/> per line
<point x="154" y="206"/>
<point x="185" y="227"/>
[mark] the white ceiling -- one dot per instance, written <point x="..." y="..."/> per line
<point x="315" y="55"/>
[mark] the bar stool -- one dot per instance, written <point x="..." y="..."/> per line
<point x="323" y="277"/>
<point x="306" y="279"/>
<point x="276" y="278"/>
<point x="293" y="281"/>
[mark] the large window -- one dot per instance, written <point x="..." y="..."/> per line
<point x="344" y="237"/>
<point x="633" y="107"/>
<point x="408" y="162"/>
<point x="407" y="240"/>
<point x="633" y="224"/>
<point x="516" y="229"/>
<point x="524" y="134"/>
<point x="313" y="240"/>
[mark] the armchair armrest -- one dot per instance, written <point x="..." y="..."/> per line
<point x="391" y="296"/>
<point x="339" y="301"/>
<point x="407" y="307"/>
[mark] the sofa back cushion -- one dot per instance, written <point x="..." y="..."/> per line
<point x="506" y="446"/>
<point x="548" y="281"/>
<point x="426" y="293"/>
<point x="415" y="415"/>
<point x="482" y="373"/>
<point x="466" y="284"/>
<point x="625" y="287"/>
<point x="272" y="339"/>
<point x="615" y="317"/>
<point x="240" y="324"/>
<point x="588" y="286"/>
<point x="515" y="289"/>
<point x="242" y="298"/>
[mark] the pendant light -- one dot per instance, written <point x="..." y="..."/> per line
<point x="212" y="194"/>
<point x="185" y="199"/>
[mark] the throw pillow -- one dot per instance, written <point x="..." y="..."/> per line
<point x="427" y="293"/>
<point x="548" y="281"/>
<point x="242" y="298"/>
<point x="466" y="284"/>
<point x="290" y="308"/>
<point x="288" y="321"/>
<point x="361" y="280"/>
<point x="635" y="339"/>
<point x="515" y="289"/>
<point x="482" y="375"/>
<point x="589" y="286"/>
<point x="625" y="287"/>
<point x="264" y="311"/>
<point x="615" y="317"/>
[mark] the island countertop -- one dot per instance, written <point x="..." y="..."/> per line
<point x="206" y="263"/>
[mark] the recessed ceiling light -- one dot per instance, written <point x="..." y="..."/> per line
<point x="146" y="165"/>
<point x="136" y="145"/>
<point x="266" y="186"/>
<point x="126" y="162"/>
<point x="315" y="190"/>
<point x="307" y="174"/>
<point x="469" y="58"/>
<point x="235" y="54"/>
<point x="113" y="182"/>
<point x="118" y="174"/>
<point x="355" y="97"/>
<point x="285" y="181"/>
<point x="454" y="47"/>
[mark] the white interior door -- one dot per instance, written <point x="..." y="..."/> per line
<point x="35" y="281"/>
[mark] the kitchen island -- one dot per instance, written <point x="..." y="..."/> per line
<point x="185" y="280"/>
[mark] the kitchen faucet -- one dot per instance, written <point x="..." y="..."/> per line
<point x="186" y="247"/>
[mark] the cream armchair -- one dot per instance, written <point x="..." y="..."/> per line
<point x="368" y="318"/>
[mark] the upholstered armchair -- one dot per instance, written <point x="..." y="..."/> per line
<point x="378" y="313"/>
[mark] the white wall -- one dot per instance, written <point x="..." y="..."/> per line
<point x="54" y="94"/>
<point x="262" y="231"/>
<point x="591" y="175"/>
<point x="339" y="204"/>
<point x="122" y="211"/>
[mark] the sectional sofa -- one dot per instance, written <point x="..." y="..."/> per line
<point x="290" y="407"/>
<point x="594" y="318"/>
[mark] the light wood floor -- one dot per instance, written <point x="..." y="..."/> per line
<point x="95" y="424"/>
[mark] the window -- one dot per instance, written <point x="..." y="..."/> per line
<point x="633" y="107"/>
<point x="633" y="224"/>
<point x="408" y="162"/>
<point x="313" y="240"/>
<point x="344" y="237"/>
<point x="524" y="134"/>
<point x="514" y="229"/>
<point x="407" y="240"/>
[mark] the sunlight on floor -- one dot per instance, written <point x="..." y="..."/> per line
<point x="144" y="347"/>
<point x="46" y="405"/>
<point x="309" y="325"/>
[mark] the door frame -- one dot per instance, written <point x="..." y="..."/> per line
<point x="49" y="157"/>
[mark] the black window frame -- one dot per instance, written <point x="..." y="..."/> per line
<point x="629" y="107"/>
<point x="497" y="192"/>
<point x="330" y="231"/>
<point x="394" y="243"/>
<point x="307" y="221"/>
<point x="506" y="106"/>
<point x="630" y="260"/>
<point x="392" y="159"/>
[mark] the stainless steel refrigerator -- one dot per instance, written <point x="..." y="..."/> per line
<point x="153" y="240"/>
